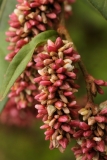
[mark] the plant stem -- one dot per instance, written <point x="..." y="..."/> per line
<point x="88" y="78"/>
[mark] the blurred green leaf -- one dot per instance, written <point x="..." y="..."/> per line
<point x="3" y="67"/>
<point x="0" y="2"/>
<point x="2" y="103"/>
<point x="101" y="6"/>
<point x="20" y="61"/>
<point x="6" y="9"/>
<point x="3" y="43"/>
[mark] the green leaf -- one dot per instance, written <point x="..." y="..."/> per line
<point x="2" y="103"/>
<point x="5" y="10"/>
<point x="101" y="6"/>
<point x="20" y="61"/>
<point x="3" y="43"/>
<point x="3" y="67"/>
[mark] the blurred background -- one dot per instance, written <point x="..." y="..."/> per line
<point x="88" y="30"/>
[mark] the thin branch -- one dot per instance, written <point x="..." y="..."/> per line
<point x="88" y="78"/>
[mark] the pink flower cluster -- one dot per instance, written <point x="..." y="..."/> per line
<point x="12" y="116"/>
<point x="29" y="19"/>
<point x="98" y="84"/>
<point x="56" y="80"/>
<point x="92" y="138"/>
<point x="25" y="89"/>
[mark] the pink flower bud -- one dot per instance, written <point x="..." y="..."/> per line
<point x="72" y="104"/>
<point x="58" y="43"/>
<point x="66" y="127"/>
<point x="34" y="4"/>
<point x="63" y="118"/>
<point x="63" y="142"/>
<point x="15" y="24"/>
<point x="10" y="33"/>
<point x="51" y="15"/>
<point x="84" y="126"/>
<point x="39" y="116"/>
<point x="67" y="93"/>
<point x="55" y="66"/>
<point x="31" y="87"/>
<point x="61" y="76"/>
<point x="71" y="75"/>
<point x="39" y="106"/>
<point x="59" y="104"/>
<point x="87" y="133"/>
<point x="100" y="146"/>
<point x="85" y="150"/>
<point x="90" y="155"/>
<point x="38" y="96"/>
<point x="61" y="70"/>
<point x="47" y="61"/>
<point x="45" y="83"/>
<point x="60" y="62"/>
<point x="51" y="46"/>
<point x="90" y="143"/>
<point x="74" y="123"/>
<point x="68" y="51"/>
<point x="99" y="90"/>
<point x="65" y="86"/>
<point x="10" y="47"/>
<point x="76" y="57"/>
<point x="58" y="83"/>
<point x="38" y="79"/>
<point x="20" y="43"/>
<point x="15" y="39"/>
<point x="47" y="137"/>
<point x="77" y="152"/>
<point x="10" y="56"/>
<point x="43" y="56"/>
<point x="39" y="64"/>
<point x="99" y="82"/>
<point x="22" y="104"/>
<point x="43" y="97"/>
<point x="52" y="88"/>
<point x="57" y="125"/>
<point x="41" y="27"/>
<point x="100" y="119"/>
<point x="103" y="111"/>
<point x="45" y="78"/>
<point x="51" y="95"/>
<point x="49" y="132"/>
<point x="78" y="134"/>
<point x="33" y="22"/>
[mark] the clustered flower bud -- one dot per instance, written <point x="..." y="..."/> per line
<point x="56" y="79"/>
<point x="29" y="19"/>
<point x="96" y="85"/>
<point x="49" y="82"/>
<point x="14" y="117"/>
<point x="92" y="138"/>
<point x="24" y="89"/>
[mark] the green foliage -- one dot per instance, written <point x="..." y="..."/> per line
<point x="3" y="67"/>
<point x="20" y="61"/>
<point x="101" y="6"/>
<point x="6" y="9"/>
<point x="29" y="144"/>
